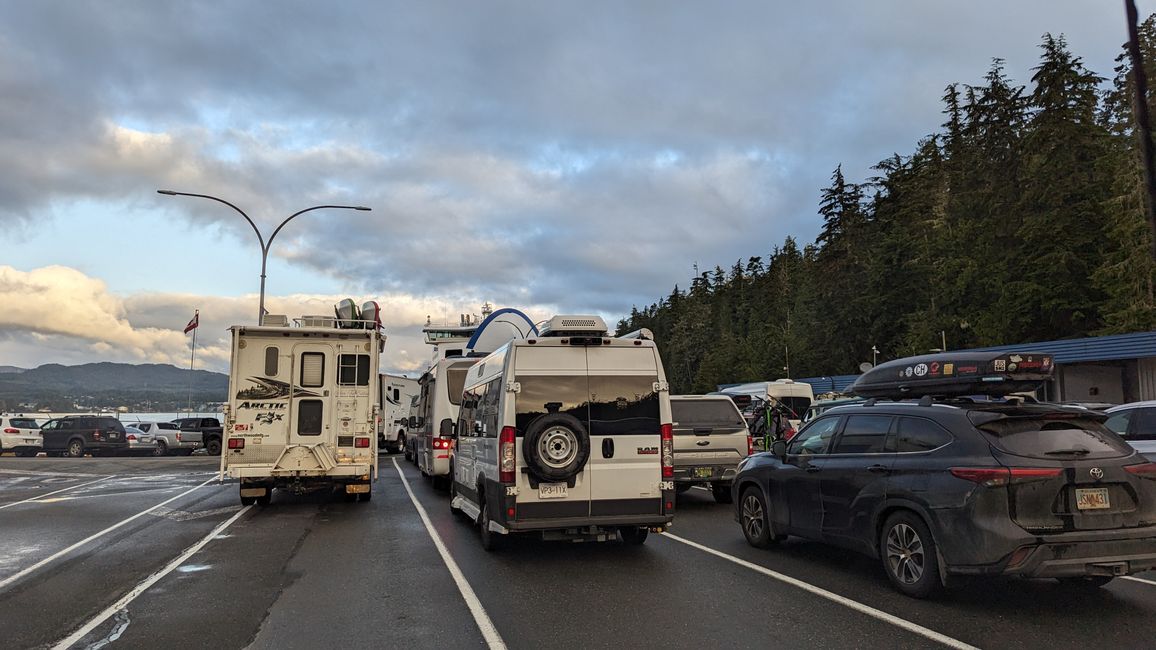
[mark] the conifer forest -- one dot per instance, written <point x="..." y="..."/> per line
<point x="1022" y="219"/>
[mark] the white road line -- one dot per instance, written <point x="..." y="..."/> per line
<point x="51" y="558"/>
<point x="148" y="582"/>
<point x="489" y="632"/>
<point x="1135" y="579"/>
<point x="9" y="505"/>
<point x="836" y="598"/>
<point x="27" y="472"/>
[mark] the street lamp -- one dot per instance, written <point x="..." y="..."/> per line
<point x="260" y="239"/>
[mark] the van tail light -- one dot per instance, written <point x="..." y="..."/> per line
<point x="443" y="443"/>
<point x="361" y="443"/>
<point x="1000" y="476"/>
<point x="506" y="455"/>
<point x="750" y="445"/>
<point x="668" y="451"/>
<point x="11" y="430"/>
<point x="236" y="443"/>
<point x="1145" y="470"/>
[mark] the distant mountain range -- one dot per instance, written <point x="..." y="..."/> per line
<point x="111" y="385"/>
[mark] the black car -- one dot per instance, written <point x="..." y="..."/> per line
<point x="949" y="485"/>
<point x="77" y="435"/>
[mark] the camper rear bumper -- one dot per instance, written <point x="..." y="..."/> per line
<point x="350" y="471"/>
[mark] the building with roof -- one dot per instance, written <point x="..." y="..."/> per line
<point x="1115" y="369"/>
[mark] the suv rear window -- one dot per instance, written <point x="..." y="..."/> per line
<point x="705" y="413"/>
<point x="1056" y="437"/>
<point x="24" y="423"/>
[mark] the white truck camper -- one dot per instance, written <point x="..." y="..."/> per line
<point x="303" y="404"/>
<point x="396" y="394"/>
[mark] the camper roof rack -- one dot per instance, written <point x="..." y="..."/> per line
<point x="951" y="374"/>
<point x="573" y="326"/>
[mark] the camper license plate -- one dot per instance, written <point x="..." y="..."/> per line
<point x="552" y="491"/>
<point x="1092" y="499"/>
<point x="703" y="472"/>
<point x="357" y="488"/>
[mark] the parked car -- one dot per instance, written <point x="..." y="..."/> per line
<point x="20" y="435"/>
<point x="710" y="438"/>
<point x="1136" y="423"/>
<point x="77" y="435"/>
<point x="169" y="439"/>
<point x="139" y="442"/>
<point x="947" y="485"/>
<point x="206" y="431"/>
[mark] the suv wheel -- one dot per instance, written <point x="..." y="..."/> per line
<point x="213" y="447"/>
<point x="162" y="449"/>
<point x="75" y="449"/>
<point x="633" y="535"/>
<point x="755" y="519"/>
<point x="488" y="537"/>
<point x="908" y="553"/>
<point x="556" y="447"/>
<point x="722" y="492"/>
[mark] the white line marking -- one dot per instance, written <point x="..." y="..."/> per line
<point x="489" y="632"/>
<point x="1135" y="579"/>
<point x="148" y="582"/>
<point x="26" y="472"/>
<point x="16" y="576"/>
<point x="32" y="499"/>
<point x="819" y="591"/>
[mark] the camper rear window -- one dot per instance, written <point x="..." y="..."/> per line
<point x="623" y="405"/>
<point x="456" y="383"/>
<point x="309" y="417"/>
<point x="312" y="369"/>
<point x="353" y="370"/>
<point x="271" y="361"/>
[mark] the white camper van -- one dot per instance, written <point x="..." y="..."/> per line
<point x="302" y="405"/>
<point x="439" y="398"/>
<point x="796" y="396"/>
<point x="567" y="434"/>
<point x="396" y="394"/>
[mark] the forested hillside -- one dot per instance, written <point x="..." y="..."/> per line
<point x="1021" y="220"/>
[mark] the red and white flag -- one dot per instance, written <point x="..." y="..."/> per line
<point x="193" y="323"/>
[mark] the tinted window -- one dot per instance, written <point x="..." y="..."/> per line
<point x="798" y="406"/>
<point x="863" y="434"/>
<point x="1066" y="437"/>
<point x="1118" y="422"/>
<point x="689" y="413"/>
<point x="815" y="437"/>
<point x="623" y="405"/>
<point x="455" y="382"/>
<point x="51" y="424"/>
<point x="1143" y="425"/>
<point x="917" y="434"/>
<point x="144" y="427"/>
<point x="353" y="369"/>
<point x="309" y="417"/>
<point x="312" y="369"/>
<point x="270" y="361"/>
<point x="555" y="394"/>
<point x="167" y="425"/>
<point x="24" y="423"/>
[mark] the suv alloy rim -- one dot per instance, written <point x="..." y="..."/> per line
<point x="558" y="447"/>
<point x="752" y="516"/>
<point x="905" y="553"/>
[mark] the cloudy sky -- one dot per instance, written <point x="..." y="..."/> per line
<point x="557" y="157"/>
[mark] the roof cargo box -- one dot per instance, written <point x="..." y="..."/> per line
<point x="956" y="373"/>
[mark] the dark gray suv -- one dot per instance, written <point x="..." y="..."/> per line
<point x="954" y="485"/>
<point x="77" y="435"/>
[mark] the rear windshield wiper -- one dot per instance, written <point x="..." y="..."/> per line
<point x="1068" y="452"/>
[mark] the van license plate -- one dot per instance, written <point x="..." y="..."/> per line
<point x="552" y="491"/>
<point x="1092" y="499"/>
<point x="703" y="472"/>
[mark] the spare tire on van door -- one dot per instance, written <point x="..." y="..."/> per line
<point x="556" y="447"/>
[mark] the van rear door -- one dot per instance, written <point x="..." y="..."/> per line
<point x="625" y="466"/>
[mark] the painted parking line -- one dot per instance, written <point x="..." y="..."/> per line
<point x="144" y="585"/>
<point x="26" y="472"/>
<point x="489" y="632"/>
<point x="832" y="596"/>
<point x="1135" y="579"/>
<point x="51" y="558"/>
<point x="36" y="498"/>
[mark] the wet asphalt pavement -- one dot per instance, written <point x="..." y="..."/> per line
<point x="191" y="568"/>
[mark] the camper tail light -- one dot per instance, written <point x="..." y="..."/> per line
<point x="667" y="451"/>
<point x="506" y="455"/>
<point x="442" y="443"/>
<point x="236" y="443"/>
<point x="361" y="443"/>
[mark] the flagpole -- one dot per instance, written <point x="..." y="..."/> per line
<point x="192" y="357"/>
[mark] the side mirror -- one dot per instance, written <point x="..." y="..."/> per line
<point x="412" y="422"/>
<point x="779" y="449"/>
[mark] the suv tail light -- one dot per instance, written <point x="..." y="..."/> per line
<point x="236" y="443"/>
<point x="1000" y="476"/>
<point x="507" y="457"/>
<point x="751" y="446"/>
<point x="11" y="430"/>
<point x="668" y="450"/>
<point x="178" y="436"/>
<point x="130" y="437"/>
<point x="361" y="443"/>
<point x="1145" y="470"/>
<point x="96" y="435"/>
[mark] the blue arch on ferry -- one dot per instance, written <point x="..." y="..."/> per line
<point x="505" y="310"/>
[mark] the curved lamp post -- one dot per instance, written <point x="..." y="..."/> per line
<point x="260" y="239"/>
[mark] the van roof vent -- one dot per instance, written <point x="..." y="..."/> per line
<point x="573" y="325"/>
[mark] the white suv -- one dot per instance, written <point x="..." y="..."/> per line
<point x="21" y="435"/>
<point x="567" y="434"/>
